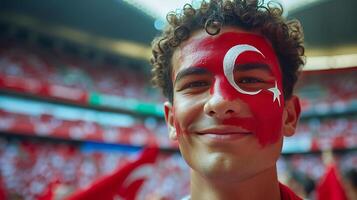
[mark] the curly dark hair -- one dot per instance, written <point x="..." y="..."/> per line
<point x="285" y="36"/>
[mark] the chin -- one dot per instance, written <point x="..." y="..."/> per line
<point x="232" y="173"/>
<point x="224" y="174"/>
<point x="229" y="167"/>
<point x="219" y="166"/>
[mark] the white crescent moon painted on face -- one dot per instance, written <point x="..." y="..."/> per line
<point x="229" y="62"/>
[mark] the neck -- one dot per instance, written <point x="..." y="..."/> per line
<point x="264" y="185"/>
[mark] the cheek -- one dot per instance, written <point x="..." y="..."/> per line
<point x="184" y="114"/>
<point x="175" y="120"/>
<point x="267" y="116"/>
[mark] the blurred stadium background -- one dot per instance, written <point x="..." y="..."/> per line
<point x="76" y="102"/>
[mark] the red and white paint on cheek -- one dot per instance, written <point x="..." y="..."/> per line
<point x="222" y="53"/>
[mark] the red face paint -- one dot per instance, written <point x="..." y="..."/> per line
<point x="245" y="123"/>
<point x="210" y="53"/>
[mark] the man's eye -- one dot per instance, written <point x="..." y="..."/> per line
<point x="196" y="84"/>
<point x="246" y="80"/>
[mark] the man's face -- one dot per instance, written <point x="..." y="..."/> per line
<point x="228" y="106"/>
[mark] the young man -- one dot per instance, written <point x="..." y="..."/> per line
<point x="228" y="70"/>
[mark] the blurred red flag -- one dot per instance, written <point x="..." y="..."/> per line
<point x="330" y="186"/>
<point x="124" y="183"/>
<point x="2" y="191"/>
<point x="49" y="193"/>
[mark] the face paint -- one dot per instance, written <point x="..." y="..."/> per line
<point x="229" y="63"/>
<point x="219" y="55"/>
<point x="245" y="123"/>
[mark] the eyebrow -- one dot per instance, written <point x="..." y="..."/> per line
<point x="190" y="71"/>
<point x="251" y="66"/>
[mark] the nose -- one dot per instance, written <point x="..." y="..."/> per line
<point x="219" y="107"/>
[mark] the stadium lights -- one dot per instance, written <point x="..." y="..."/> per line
<point x="159" y="8"/>
<point x="330" y="62"/>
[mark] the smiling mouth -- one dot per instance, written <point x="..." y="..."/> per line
<point x="225" y="136"/>
<point x="224" y="133"/>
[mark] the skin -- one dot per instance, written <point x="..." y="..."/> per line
<point x="219" y="130"/>
<point x="351" y="190"/>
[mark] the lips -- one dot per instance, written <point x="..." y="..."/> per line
<point x="224" y="132"/>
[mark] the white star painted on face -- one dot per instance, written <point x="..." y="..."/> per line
<point x="275" y="90"/>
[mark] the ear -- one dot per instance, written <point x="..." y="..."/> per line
<point x="291" y="115"/>
<point x="170" y="120"/>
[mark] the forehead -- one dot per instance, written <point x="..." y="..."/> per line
<point x="201" y="47"/>
<point x="225" y="39"/>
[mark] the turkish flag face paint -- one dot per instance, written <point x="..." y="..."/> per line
<point x="244" y="66"/>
